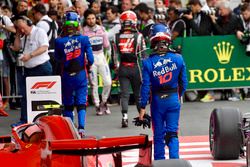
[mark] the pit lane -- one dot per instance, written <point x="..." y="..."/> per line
<point x="194" y="125"/>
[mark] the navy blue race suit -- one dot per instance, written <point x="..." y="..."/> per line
<point x="70" y="50"/>
<point x="166" y="77"/>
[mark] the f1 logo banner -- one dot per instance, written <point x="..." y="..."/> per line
<point x="41" y="92"/>
<point x="47" y="85"/>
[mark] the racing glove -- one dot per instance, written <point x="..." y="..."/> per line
<point x="145" y="123"/>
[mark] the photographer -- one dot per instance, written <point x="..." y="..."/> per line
<point x="227" y="22"/>
<point x="160" y="13"/>
<point x="210" y="7"/>
<point x="244" y="31"/>
<point x="175" y="23"/>
<point x="243" y="34"/>
<point x="33" y="41"/>
<point x="198" y="22"/>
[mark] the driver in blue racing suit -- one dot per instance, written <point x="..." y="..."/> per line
<point x="70" y="50"/>
<point x="164" y="74"/>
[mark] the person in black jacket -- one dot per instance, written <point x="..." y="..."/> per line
<point x="227" y="22"/>
<point x="242" y="35"/>
<point x="198" y="22"/>
<point x="176" y="24"/>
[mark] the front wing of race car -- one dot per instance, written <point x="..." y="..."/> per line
<point x="97" y="152"/>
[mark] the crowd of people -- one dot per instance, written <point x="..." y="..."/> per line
<point x="80" y="40"/>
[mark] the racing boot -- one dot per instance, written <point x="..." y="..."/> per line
<point x="124" y="119"/>
<point x="104" y="108"/>
<point x="124" y="123"/>
<point x="81" y="132"/>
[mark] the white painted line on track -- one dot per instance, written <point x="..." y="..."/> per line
<point x="195" y="144"/>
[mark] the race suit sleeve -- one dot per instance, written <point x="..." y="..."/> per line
<point x="105" y="39"/>
<point x="145" y="87"/>
<point x="106" y="43"/>
<point x="88" y="50"/>
<point x="182" y="83"/>
<point x="115" y="53"/>
<point x="141" y="47"/>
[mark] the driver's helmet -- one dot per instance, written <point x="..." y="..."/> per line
<point x="128" y="20"/>
<point x="160" y="36"/>
<point x="33" y="133"/>
<point x="71" y="21"/>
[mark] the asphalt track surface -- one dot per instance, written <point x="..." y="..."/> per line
<point x="193" y="130"/>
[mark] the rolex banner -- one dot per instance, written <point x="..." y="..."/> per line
<point x="215" y="62"/>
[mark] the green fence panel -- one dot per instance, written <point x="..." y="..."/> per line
<point x="215" y="62"/>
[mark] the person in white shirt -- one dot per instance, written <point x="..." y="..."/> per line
<point x="33" y="43"/>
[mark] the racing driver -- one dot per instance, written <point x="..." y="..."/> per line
<point x="100" y="43"/>
<point x="130" y="47"/>
<point x="164" y="73"/>
<point x="70" y="50"/>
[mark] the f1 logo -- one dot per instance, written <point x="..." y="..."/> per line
<point x="47" y="85"/>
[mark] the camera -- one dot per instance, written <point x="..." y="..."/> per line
<point x="248" y="49"/>
<point x="183" y="11"/>
<point x="161" y="10"/>
<point x="19" y="62"/>
<point x="246" y="40"/>
<point x="210" y="11"/>
<point x="99" y="17"/>
<point x="245" y="37"/>
<point x="159" y="17"/>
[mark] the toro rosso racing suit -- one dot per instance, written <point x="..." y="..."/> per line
<point x="166" y="75"/>
<point x="99" y="40"/>
<point x="71" y="52"/>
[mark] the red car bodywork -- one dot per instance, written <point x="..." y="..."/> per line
<point x="62" y="146"/>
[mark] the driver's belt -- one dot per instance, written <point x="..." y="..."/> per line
<point x="165" y="92"/>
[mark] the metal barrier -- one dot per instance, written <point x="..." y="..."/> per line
<point x="9" y="83"/>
